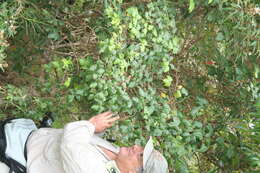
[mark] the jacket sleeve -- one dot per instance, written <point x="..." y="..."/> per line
<point x="76" y="147"/>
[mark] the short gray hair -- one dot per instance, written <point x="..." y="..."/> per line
<point x="139" y="170"/>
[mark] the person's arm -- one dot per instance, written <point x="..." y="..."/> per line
<point x="78" y="132"/>
<point x="76" y="153"/>
<point x="75" y="143"/>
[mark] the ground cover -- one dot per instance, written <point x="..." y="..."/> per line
<point x="185" y="72"/>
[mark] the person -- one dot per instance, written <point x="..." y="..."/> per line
<point x="78" y="149"/>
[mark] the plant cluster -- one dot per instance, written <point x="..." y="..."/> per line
<point x="184" y="72"/>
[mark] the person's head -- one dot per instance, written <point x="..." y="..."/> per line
<point x="130" y="159"/>
<point x="137" y="159"/>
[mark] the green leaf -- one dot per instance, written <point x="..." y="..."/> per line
<point x="213" y="170"/>
<point x="80" y="92"/>
<point x="175" y="122"/>
<point x="157" y="132"/>
<point x="195" y="110"/>
<point x="70" y="98"/>
<point x="148" y="110"/>
<point x="165" y="66"/>
<point x="95" y="107"/>
<point x="220" y="36"/>
<point x="201" y="101"/>
<point x="142" y="92"/>
<point x="100" y="71"/>
<point x="230" y="153"/>
<point x="93" y="68"/>
<point x="67" y="82"/>
<point x="257" y="71"/>
<point x="203" y="148"/>
<point x="181" y="166"/>
<point x="54" y="35"/>
<point x="197" y="133"/>
<point x="186" y="134"/>
<point x="167" y="81"/>
<point x="93" y="85"/>
<point x="191" y="6"/>
<point x="220" y="140"/>
<point x="56" y="64"/>
<point x="100" y="97"/>
<point x="66" y="63"/>
<point x="197" y="124"/>
<point x="184" y="91"/>
<point x="177" y="94"/>
<point x="210" y="1"/>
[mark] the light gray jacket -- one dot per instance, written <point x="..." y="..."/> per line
<point x="74" y="149"/>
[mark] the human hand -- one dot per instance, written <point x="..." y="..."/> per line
<point x="103" y="121"/>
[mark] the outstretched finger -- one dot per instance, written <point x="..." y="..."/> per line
<point x="113" y="119"/>
<point x="112" y="115"/>
<point x="105" y="114"/>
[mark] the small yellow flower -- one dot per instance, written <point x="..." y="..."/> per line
<point x="179" y="87"/>
<point x="163" y="95"/>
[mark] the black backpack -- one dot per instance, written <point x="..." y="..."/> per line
<point x="15" y="167"/>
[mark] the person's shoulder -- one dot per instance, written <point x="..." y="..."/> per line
<point x="46" y="133"/>
<point x="49" y="131"/>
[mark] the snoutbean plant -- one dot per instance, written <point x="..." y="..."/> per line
<point x="185" y="72"/>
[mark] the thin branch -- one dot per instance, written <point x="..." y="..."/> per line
<point x="198" y="162"/>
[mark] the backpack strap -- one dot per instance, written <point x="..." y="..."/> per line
<point x="3" y="137"/>
<point x="2" y="143"/>
<point x="16" y="167"/>
<point x="25" y="147"/>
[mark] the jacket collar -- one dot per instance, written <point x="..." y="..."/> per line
<point x="96" y="140"/>
<point x="111" y="167"/>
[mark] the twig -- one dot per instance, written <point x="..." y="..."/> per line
<point x="134" y="3"/>
<point x="198" y="162"/>
<point x="65" y="45"/>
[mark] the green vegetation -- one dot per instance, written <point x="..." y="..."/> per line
<point x="183" y="71"/>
